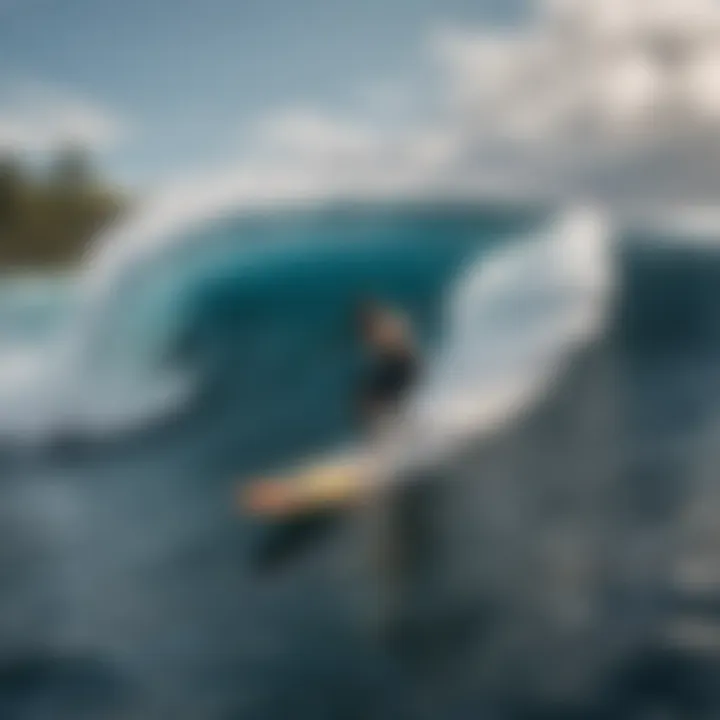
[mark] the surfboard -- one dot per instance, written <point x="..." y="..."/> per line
<point x="335" y="481"/>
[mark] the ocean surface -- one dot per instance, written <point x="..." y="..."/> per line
<point x="554" y="554"/>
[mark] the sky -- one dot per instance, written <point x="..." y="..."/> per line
<point x="208" y="102"/>
<point x="160" y="87"/>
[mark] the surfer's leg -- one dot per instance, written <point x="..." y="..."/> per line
<point x="288" y="541"/>
<point x="395" y="533"/>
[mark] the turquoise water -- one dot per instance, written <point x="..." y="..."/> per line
<point x="543" y="581"/>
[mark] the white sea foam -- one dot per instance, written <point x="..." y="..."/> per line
<point x="516" y="319"/>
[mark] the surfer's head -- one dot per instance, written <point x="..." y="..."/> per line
<point x="379" y="326"/>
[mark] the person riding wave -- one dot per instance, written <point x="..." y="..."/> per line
<point x="390" y="373"/>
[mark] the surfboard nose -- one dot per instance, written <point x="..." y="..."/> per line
<point x="267" y="497"/>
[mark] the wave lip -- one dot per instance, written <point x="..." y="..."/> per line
<point x="516" y="319"/>
<point x="48" y="387"/>
<point x="41" y="401"/>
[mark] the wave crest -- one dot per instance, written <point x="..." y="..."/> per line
<point x="516" y="319"/>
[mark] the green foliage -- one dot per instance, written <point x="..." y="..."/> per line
<point x="48" y="218"/>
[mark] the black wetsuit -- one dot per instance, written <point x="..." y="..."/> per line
<point x="390" y="376"/>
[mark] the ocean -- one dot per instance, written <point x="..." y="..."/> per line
<point x="553" y="542"/>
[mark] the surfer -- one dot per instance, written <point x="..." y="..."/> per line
<point x="386" y="339"/>
<point x="392" y="364"/>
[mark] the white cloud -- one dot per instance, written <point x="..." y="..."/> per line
<point x="308" y="133"/>
<point x="38" y="118"/>
<point x="615" y="98"/>
<point x="617" y="65"/>
<point x="588" y="88"/>
<point x="344" y="155"/>
<point x="584" y="89"/>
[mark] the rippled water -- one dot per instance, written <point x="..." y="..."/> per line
<point x="562" y="567"/>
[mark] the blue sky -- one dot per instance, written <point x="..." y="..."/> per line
<point x="184" y="79"/>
